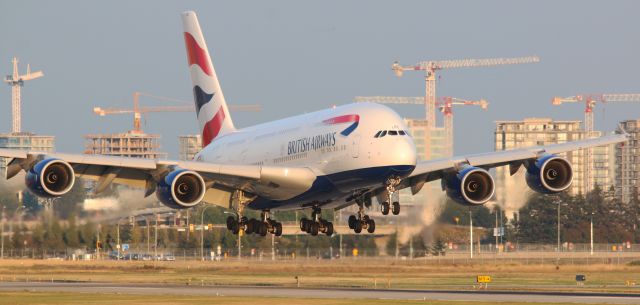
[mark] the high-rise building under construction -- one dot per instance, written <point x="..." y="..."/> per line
<point x="129" y="144"/>
<point x="627" y="169"/>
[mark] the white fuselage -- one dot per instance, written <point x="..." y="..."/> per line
<point x="312" y="140"/>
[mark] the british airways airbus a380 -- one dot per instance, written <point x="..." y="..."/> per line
<point x="328" y="159"/>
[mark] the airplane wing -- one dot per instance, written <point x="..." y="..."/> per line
<point x="430" y="170"/>
<point x="222" y="180"/>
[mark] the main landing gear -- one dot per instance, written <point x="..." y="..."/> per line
<point x="263" y="226"/>
<point x="316" y="224"/>
<point x="392" y="200"/>
<point x="361" y="221"/>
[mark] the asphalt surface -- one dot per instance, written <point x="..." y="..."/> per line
<point x="258" y="291"/>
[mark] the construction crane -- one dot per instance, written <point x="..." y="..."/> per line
<point x="16" y="81"/>
<point x="446" y="104"/>
<point x="138" y="110"/>
<point x="446" y="107"/>
<point x="430" y="68"/>
<point x="590" y="101"/>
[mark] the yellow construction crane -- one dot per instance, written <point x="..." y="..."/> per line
<point x="446" y="104"/>
<point x="138" y="110"/>
<point x="590" y="101"/>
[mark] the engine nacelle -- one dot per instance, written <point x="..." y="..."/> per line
<point x="181" y="189"/>
<point x="469" y="186"/>
<point x="50" y="178"/>
<point x="549" y="174"/>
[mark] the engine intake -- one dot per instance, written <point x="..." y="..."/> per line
<point x="50" y="178"/>
<point x="181" y="189"/>
<point x="469" y="186"/>
<point x="549" y="174"/>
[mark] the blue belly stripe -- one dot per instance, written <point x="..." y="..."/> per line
<point x="329" y="188"/>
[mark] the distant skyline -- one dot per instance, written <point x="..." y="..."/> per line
<point x="293" y="57"/>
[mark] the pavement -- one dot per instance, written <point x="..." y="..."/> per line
<point x="355" y="293"/>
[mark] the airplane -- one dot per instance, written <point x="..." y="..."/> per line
<point x="328" y="159"/>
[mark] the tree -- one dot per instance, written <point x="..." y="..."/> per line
<point x="53" y="237"/>
<point x="439" y="248"/>
<point x="538" y="219"/>
<point x="453" y="210"/>
<point x="71" y="235"/>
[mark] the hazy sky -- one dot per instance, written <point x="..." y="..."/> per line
<point x="300" y="56"/>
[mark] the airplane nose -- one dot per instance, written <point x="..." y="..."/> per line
<point x="405" y="152"/>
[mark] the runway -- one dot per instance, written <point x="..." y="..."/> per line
<point x="259" y="291"/>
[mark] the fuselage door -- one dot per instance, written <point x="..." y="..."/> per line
<point x="355" y="146"/>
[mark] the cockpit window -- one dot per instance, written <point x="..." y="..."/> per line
<point x="401" y="132"/>
<point x="378" y="134"/>
<point x="384" y="133"/>
<point x="393" y="132"/>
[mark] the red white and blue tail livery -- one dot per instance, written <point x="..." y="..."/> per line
<point x="327" y="159"/>
<point x="211" y="108"/>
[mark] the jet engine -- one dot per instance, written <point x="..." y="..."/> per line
<point x="181" y="189"/>
<point x="469" y="186"/>
<point x="50" y="178"/>
<point x="549" y="174"/>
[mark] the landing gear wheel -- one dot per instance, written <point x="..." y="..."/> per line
<point x="395" y="210"/>
<point x="313" y="228"/>
<point x="329" y="230"/>
<point x="252" y="226"/>
<point x="230" y="221"/>
<point x="262" y="228"/>
<point x="371" y="226"/>
<point x="307" y="225"/>
<point x="352" y="221"/>
<point x="235" y="228"/>
<point x="357" y="227"/>
<point x="277" y="229"/>
<point x="303" y="224"/>
<point x="385" y="208"/>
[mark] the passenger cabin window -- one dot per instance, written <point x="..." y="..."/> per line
<point x="393" y="132"/>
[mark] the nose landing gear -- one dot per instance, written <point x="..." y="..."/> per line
<point x="316" y="224"/>
<point x="392" y="200"/>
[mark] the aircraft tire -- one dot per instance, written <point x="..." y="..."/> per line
<point x="395" y="210"/>
<point x="371" y="226"/>
<point x="357" y="227"/>
<point x="313" y="228"/>
<point x="385" y="208"/>
<point x="277" y="229"/>
<point x="329" y="230"/>
<point x="352" y="221"/>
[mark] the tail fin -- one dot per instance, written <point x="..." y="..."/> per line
<point x="211" y="107"/>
